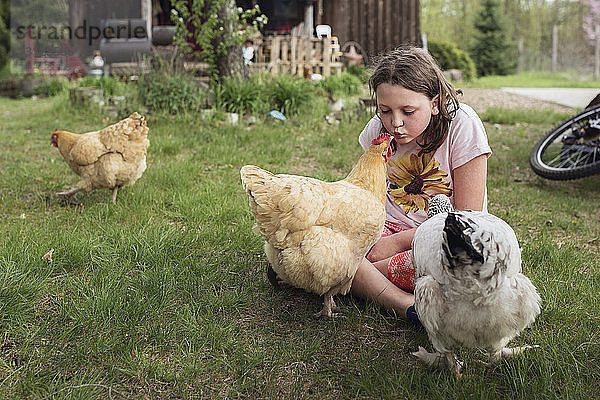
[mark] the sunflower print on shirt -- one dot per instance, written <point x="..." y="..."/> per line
<point x="415" y="179"/>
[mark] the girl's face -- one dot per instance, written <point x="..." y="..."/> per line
<point x="405" y="114"/>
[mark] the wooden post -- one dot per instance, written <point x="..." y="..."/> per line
<point x="326" y="56"/>
<point x="275" y="54"/>
<point x="316" y="50"/>
<point x="554" y="47"/>
<point x="309" y="12"/>
<point x="293" y="55"/>
<point x="285" y="60"/>
<point x="597" y="54"/>
<point x="300" y="60"/>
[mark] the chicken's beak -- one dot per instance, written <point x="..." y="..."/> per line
<point x="54" y="139"/>
<point x="389" y="148"/>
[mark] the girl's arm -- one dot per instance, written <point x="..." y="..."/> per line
<point x="469" y="184"/>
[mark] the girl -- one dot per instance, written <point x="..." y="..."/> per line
<point x="440" y="147"/>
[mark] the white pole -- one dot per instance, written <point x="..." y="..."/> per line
<point x="147" y="15"/>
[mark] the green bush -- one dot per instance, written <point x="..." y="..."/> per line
<point x="171" y="93"/>
<point x="289" y="94"/>
<point x="360" y="71"/>
<point x="52" y="87"/>
<point x="448" y="56"/>
<point x="109" y="85"/>
<point x="261" y="93"/>
<point x="241" y="96"/>
<point x="345" y="84"/>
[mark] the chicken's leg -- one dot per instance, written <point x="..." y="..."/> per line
<point x="114" y="197"/>
<point x="69" y="193"/>
<point x="328" y="305"/>
<point x="454" y="365"/>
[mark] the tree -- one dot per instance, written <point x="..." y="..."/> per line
<point x="493" y="51"/>
<point x="216" y="29"/>
<point x="4" y="33"/>
<point x="591" y="19"/>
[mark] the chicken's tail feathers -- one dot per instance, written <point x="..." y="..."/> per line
<point x="458" y="246"/>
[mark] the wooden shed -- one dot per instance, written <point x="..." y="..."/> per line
<point x="377" y="25"/>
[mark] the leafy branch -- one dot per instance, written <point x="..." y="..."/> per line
<point x="213" y="29"/>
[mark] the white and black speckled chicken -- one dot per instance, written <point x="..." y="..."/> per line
<point x="470" y="291"/>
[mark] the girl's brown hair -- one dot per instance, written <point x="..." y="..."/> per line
<point x="415" y="69"/>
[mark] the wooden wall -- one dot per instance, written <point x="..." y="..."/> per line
<point x="376" y="25"/>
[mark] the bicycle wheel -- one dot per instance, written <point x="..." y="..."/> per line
<point x="570" y="150"/>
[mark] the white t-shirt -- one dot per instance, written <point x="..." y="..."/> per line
<point x="412" y="180"/>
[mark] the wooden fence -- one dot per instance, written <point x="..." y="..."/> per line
<point x="298" y="55"/>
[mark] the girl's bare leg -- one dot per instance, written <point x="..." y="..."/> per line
<point x="371" y="283"/>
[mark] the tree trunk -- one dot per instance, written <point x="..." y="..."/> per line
<point x="230" y="64"/>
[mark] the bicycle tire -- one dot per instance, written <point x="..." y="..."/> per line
<point x="570" y="150"/>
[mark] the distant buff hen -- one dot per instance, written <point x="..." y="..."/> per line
<point x="110" y="158"/>
<point x="470" y="291"/>
<point x="318" y="232"/>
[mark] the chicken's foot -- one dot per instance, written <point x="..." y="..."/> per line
<point x="454" y="365"/>
<point x="328" y="305"/>
<point x="69" y="193"/>
<point x="440" y="361"/>
<point x="506" y="353"/>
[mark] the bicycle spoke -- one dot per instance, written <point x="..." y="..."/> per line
<point x="570" y="150"/>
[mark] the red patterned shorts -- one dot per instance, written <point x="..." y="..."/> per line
<point x="400" y="269"/>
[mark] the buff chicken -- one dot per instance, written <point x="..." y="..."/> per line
<point x="110" y="158"/>
<point x="317" y="233"/>
<point x="470" y="291"/>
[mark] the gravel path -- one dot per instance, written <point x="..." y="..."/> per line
<point x="481" y="99"/>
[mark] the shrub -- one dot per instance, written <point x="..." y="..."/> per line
<point x="289" y="94"/>
<point x="52" y="87"/>
<point x="448" y="56"/>
<point x="360" y="71"/>
<point x="240" y="95"/>
<point x="109" y="85"/>
<point x="345" y="84"/>
<point x="171" y="93"/>
<point x="261" y="93"/>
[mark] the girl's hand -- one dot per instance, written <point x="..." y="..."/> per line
<point x="387" y="246"/>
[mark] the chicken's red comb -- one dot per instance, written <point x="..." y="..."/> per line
<point x="381" y="138"/>
<point x="56" y="130"/>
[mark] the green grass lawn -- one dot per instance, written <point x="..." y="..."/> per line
<point x="164" y="294"/>
<point x="535" y="79"/>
